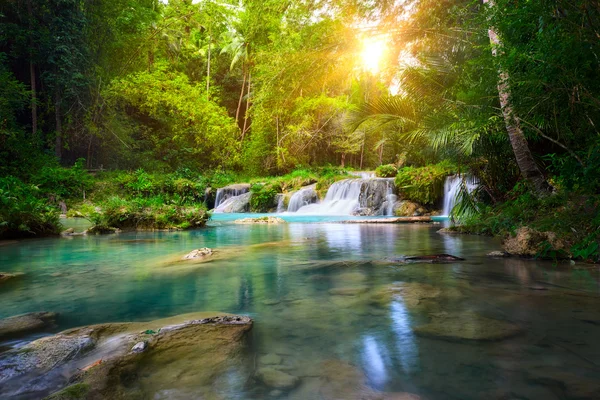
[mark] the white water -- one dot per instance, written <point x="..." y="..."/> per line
<point x="342" y="199"/>
<point x="452" y="187"/>
<point x="227" y="193"/>
<point x="223" y="205"/>
<point x="390" y="199"/>
<point x="280" y="204"/>
<point x="301" y="198"/>
<point x="363" y="174"/>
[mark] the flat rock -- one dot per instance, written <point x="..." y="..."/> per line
<point x="468" y="327"/>
<point x="26" y="323"/>
<point x="198" y="253"/>
<point x="498" y="254"/>
<point x="270" y="359"/>
<point x="260" y="220"/>
<point x="277" y="379"/>
<point x="5" y="276"/>
<point x="348" y="291"/>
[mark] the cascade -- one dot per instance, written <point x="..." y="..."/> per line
<point x="390" y="199"/>
<point x="228" y="192"/>
<point x="302" y="197"/>
<point x="355" y="196"/>
<point x="452" y="188"/>
<point x="280" y="203"/>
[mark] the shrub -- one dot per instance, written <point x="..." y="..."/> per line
<point x="63" y="183"/>
<point x="424" y="185"/>
<point x="23" y="213"/>
<point x="150" y="213"/>
<point x="386" y="171"/>
<point x="264" y="196"/>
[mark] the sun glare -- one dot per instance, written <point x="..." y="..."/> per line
<point x="372" y="54"/>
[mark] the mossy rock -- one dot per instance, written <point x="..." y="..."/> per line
<point x="73" y="392"/>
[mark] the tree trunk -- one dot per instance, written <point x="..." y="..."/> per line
<point x="247" y="108"/>
<point x="525" y="160"/>
<point x="32" y="75"/>
<point x="58" y="142"/>
<point x="237" y="113"/>
<point x="208" y="69"/>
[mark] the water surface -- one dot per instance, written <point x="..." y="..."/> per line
<point x="287" y="277"/>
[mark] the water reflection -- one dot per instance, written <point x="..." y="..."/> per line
<point x="311" y="289"/>
<point x="405" y="341"/>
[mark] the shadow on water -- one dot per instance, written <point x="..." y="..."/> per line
<point x="326" y="296"/>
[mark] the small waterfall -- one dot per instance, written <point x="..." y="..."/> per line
<point x="280" y="203"/>
<point x="452" y="187"/>
<point x="354" y="196"/>
<point x="228" y="192"/>
<point x="363" y="174"/>
<point x="390" y="199"/>
<point x="302" y="197"/>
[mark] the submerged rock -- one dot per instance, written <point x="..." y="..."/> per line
<point x="26" y="323"/>
<point x="467" y="326"/>
<point x="5" y="276"/>
<point x="270" y="359"/>
<point x="198" y="253"/>
<point x="348" y="291"/>
<point x="276" y="379"/>
<point x="431" y="259"/>
<point x="260" y="220"/>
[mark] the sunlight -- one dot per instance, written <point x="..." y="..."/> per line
<point x="372" y="54"/>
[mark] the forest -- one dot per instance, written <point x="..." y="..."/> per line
<point x="142" y="103"/>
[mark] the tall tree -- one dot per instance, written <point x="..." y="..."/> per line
<point x="529" y="169"/>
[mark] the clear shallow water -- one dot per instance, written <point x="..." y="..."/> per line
<point x="286" y="277"/>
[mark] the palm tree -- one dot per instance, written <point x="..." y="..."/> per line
<point x="525" y="161"/>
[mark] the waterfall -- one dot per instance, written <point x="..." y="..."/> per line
<point x="228" y="192"/>
<point x="302" y="197"/>
<point x="390" y="199"/>
<point x="355" y="196"/>
<point x="280" y="203"/>
<point x="452" y="188"/>
<point x="363" y="174"/>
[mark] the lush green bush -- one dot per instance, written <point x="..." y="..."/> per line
<point x="63" y="183"/>
<point x="264" y="196"/>
<point x="151" y="213"/>
<point x="23" y="213"/>
<point x="574" y="218"/>
<point x="386" y="171"/>
<point x="424" y="185"/>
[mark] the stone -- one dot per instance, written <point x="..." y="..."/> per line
<point x="530" y="242"/>
<point x="348" y="291"/>
<point x="26" y="323"/>
<point x="5" y="276"/>
<point x="68" y="232"/>
<point x="406" y="208"/>
<point x="276" y="379"/>
<point x="190" y="349"/>
<point x="260" y="220"/>
<point x="139" y="347"/>
<point x="270" y="359"/>
<point x="467" y="326"/>
<point x="198" y="253"/>
<point x="237" y="204"/>
<point x="498" y="254"/>
<point x="431" y="259"/>
<point x="272" y="302"/>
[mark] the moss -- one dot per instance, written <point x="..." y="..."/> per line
<point x="76" y="391"/>
<point x="424" y="185"/>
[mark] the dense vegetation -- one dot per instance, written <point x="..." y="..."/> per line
<point x="192" y="95"/>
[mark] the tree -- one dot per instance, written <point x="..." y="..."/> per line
<point x="525" y="161"/>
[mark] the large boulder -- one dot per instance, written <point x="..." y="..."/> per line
<point x="407" y="208"/>
<point x="529" y="242"/>
<point x="126" y="360"/>
<point x="26" y="323"/>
